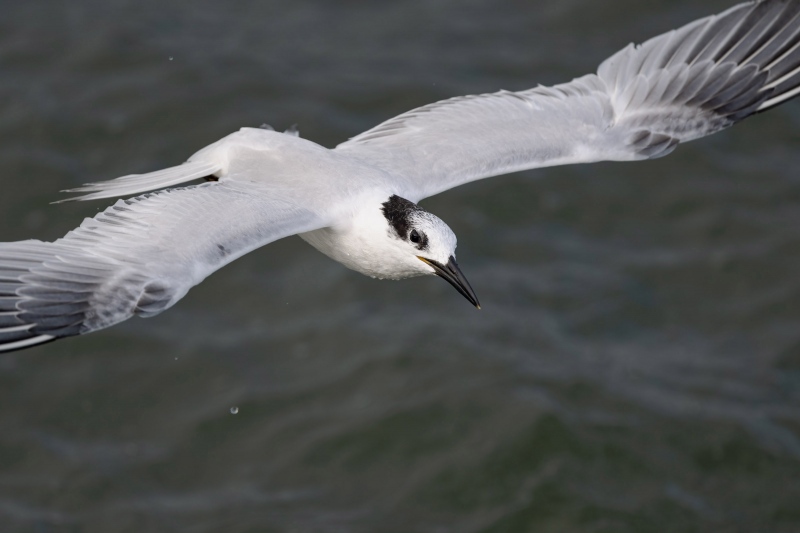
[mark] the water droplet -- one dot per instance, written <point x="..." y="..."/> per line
<point x="170" y="58"/>
<point x="234" y="410"/>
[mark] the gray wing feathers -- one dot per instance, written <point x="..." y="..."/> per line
<point x="45" y="291"/>
<point x="709" y="74"/>
<point x="139" y="256"/>
<point x="448" y="143"/>
<point x="642" y="103"/>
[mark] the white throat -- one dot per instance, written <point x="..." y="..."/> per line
<point x="377" y="240"/>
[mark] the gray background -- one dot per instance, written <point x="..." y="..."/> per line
<point x="636" y="366"/>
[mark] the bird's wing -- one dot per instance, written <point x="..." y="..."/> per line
<point x="642" y="102"/>
<point x="139" y="256"/>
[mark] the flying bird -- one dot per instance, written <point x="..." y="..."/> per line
<point x="358" y="203"/>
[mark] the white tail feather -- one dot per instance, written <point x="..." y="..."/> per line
<point x="139" y="183"/>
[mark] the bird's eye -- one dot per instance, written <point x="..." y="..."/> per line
<point x="415" y="238"/>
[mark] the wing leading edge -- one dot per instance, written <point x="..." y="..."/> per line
<point x="641" y="104"/>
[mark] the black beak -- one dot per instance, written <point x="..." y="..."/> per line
<point x="452" y="275"/>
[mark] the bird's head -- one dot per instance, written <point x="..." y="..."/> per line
<point x="423" y="244"/>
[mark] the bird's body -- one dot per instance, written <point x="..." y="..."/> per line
<point x="357" y="203"/>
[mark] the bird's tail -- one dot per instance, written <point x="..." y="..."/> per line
<point x="138" y="183"/>
<point x="51" y="290"/>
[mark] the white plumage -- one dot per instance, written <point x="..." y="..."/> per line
<point x="356" y="203"/>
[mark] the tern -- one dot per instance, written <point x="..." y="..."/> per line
<point x="358" y="203"/>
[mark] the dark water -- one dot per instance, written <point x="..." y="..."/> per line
<point x="636" y="366"/>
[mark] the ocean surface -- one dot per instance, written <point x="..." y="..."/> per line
<point x="635" y="366"/>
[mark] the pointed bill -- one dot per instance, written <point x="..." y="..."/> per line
<point x="453" y="275"/>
